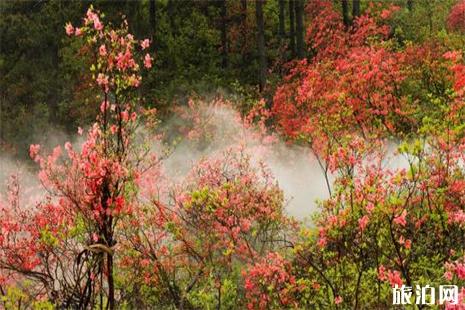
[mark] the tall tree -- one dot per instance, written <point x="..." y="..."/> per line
<point x="244" y="20"/>
<point x="345" y="12"/>
<point x="2" y="137"/>
<point x="224" y="33"/>
<point x="299" y="14"/>
<point x="292" y="27"/>
<point x="153" y="18"/>
<point x="281" y="29"/>
<point x="355" y="8"/>
<point x="261" y="43"/>
<point x="170" y="8"/>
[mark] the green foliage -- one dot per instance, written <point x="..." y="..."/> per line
<point x="426" y="20"/>
<point x="208" y="294"/>
<point x="17" y="298"/>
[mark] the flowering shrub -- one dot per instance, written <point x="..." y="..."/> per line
<point x="67" y="244"/>
<point x="456" y="18"/>
<point x="381" y="226"/>
<point x="227" y="214"/>
<point x="270" y="283"/>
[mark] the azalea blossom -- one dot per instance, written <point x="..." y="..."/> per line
<point x="400" y="220"/>
<point x="102" y="50"/>
<point x="69" y="29"/>
<point x="148" y="61"/>
<point x="363" y="222"/>
<point x="145" y="44"/>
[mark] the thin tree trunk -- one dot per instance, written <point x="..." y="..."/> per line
<point x="244" y="40"/>
<point x="292" y="27"/>
<point x="224" y="34"/>
<point x="430" y="18"/>
<point x="111" y="284"/>
<point x="244" y="22"/>
<point x="170" y="11"/>
<point x="2" y="133"/>
<point x="299" y="13"/>
<point x="355" y="8"/>
<point x="345" y="13"/>
<point x="153" y="18"/>
<point x="261" y="43"/>
<point x="281" y="30"/>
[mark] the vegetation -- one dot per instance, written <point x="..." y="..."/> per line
<point x="347" y="80"/>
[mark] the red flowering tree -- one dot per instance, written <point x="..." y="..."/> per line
<point x="270" y="283"/>
<point x="384" y="227"/>
<point x="226" y="214"/>
<point x="381" y="227"/>
<point x="456" y="18"/>
<point x="352" y="84"/>
<point x="68" y="243"/>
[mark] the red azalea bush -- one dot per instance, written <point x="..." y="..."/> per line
<point x="456" y="18"/>
<point x="71" y="238"/>
<point x="227" y="214"/>
<point x="381" y="227"/>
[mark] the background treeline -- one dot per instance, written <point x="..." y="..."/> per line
<point x="236" y="48"/>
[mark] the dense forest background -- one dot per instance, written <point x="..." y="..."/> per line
<point x="234" y="48"/>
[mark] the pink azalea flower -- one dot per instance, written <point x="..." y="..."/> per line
<point x="370" y="207"/>
<point x="103" y="106"/>
<point x="34" y="150"/>
<point x="322" y="242"/>
<point x="363" y="222"/>
<point x="125" y="115"/>
<point x="448" y="275"/>
<point x="338" y="300"/>
<point x="69" y="29"/>
<point x="394" y="278"/>
<point x="400" y="220"/>
<point x="102" y="50"/>
<point x="460" y="270"/>
<point x="97" y="24"/>
<point x="102" y="79"/>
<point x="148" y="61"/>
<point x="145" y="44"/>
<point x="452" y="55"/>
<point x="382" y="273"/>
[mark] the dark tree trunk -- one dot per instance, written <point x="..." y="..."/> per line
<point x="244" y="21"/>
<point x="170" y="10"/>
<point x="281" y="30"/>
<point x="292" y="27"/>
<point x="2" y="132"/>
<point x="224" y="34"/>
<point x="410" y="5"/>
<point x="153" y="18"/>
<point x="111" y="284"/>
<point x="244" y="48"/>
<point x="355" y="8"/>
<point x="261" y="43"/>
<point x="299" y="31"/>
<point x="345" y="13"/>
